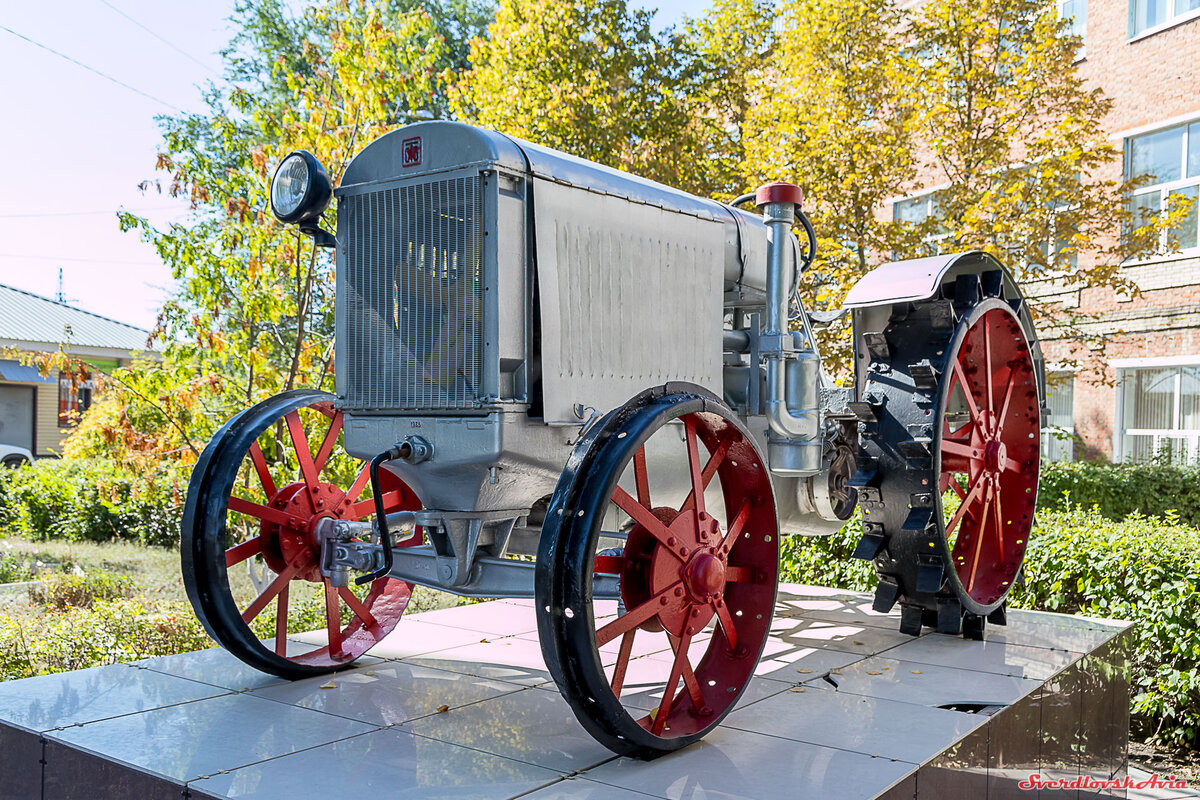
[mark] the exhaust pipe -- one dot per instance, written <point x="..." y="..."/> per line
<point x="793" y="370"/>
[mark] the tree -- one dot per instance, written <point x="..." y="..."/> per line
<point x="722" y="52"/>
<point x="589" y="77"/>
<point x="1017" y="139"/>
<point x="836" y="115"/>
<point x="252" y="313"/>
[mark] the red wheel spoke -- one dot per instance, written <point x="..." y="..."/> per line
<point x="1008" y="393"/>
<point x="356" y="606"/>
<point x="976" y="487"/>
<point x="694" y="467"/>
<point x="948" y="481"/>
<point x="976" y="414"/>
<point x="987" y="367"/>
<point x="642" y="516"/>
<point x="726" y="620"/>
<point x="266" y="513"/>
<point x="709" y="470"/>
<point x="303" y="452"/>
<point x="689" y="676"/>
<point x="955" y="448"/>
<point x="239" y="553"/>
<point x="356" y="488"/>
<point x="264" y="474"/>
<point x="608" y="565"/>
<point x="739" y="575"/>
<point x="281" y="616"/>
<point x="999" y="526"/>
<point x="333" y="619"/>
<point x="276" y="586"/>
<point x="983" y="520"/>
<point x="641" y="477"/>
<point x="735" y="529"/>
<point x="622" y="665"/>
<point x="364" y="508"/>
<point x="326" y="449"/>
<point x="1014" y="466"/>
<point x="633" y="617"/>
<point x="664" y="708"/>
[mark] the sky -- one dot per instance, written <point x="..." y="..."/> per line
<point x="77" y="144"/>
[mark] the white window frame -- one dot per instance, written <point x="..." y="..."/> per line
<point x="1081" y="53"/>
<point x="1191" y="435"/>
<point x="1166" y="188"/>
<point x="1048" y="432"/>
<point x="1171" y="21"/>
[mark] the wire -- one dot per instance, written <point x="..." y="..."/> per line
<point x="84" y="260"/>
<point x="84" y="213"/>
<point x="93" y="70"/>
<point x="171" y="45"/>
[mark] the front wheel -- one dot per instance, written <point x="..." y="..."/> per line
<point x="655" y="592"/>
<point x="250" y="553"/>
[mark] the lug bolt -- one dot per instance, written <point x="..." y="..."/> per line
<point x="678" y="591"/>
<point x="695" y="612"/>
<point x="671" y="541"/>
<point x="662" y="601"/>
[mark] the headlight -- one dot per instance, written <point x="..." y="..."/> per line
<point x="300" y="190"/>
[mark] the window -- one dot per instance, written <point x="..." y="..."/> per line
<point x="1147" y="14"/>
<point x="1172" y="158"/>
<point x="1076" y="12"/>
<point x="916" y="211"/>
<point x="1058" y="435"/>
<point x="74" y="397"/>
<point x="1160" y="414"/>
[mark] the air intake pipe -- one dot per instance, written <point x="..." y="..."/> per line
<point x="793" y="372"/>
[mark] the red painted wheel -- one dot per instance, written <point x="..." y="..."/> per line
<point x="653" y="628"/>
<point x="948" y="475"/>
<point x="251" y="555"/>
<point x="989" y="452"/>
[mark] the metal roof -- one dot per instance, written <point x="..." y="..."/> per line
<point x="26" y="317"/>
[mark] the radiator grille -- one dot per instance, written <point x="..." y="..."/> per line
<point x="414" y="296"/>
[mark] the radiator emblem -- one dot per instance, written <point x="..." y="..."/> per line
<point x="412" y="152"/>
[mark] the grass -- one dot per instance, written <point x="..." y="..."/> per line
<point x="102" y="603"/>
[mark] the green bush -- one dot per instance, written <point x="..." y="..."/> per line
<point x="91" y="500"/>
<point x="109" y="632"/>
<point x="1142" y="569"/>
<point x="1118" y="490"/>
<point x="81" y="621"/>
<point x="62" y="592"/>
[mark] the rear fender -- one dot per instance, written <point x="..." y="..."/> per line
<point x="872" y="298"/>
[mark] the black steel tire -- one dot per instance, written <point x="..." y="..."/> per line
<point x="900" y="479"/>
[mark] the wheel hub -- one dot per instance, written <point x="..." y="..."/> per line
<point x="995" y="456"/>
<point x="284" y="544"/>
<point x="704" y="576"/>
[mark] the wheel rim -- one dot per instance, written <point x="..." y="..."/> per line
<point x="697" y="588"/>
<point x="989" y="452"/>
<point x="253" y="506"/>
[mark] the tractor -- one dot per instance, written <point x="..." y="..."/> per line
<point x="561" y="382"/>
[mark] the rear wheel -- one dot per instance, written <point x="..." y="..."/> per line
<point x="251" y="557"/>
<point x="952" y="409"/>
<point x="652" y="629"/>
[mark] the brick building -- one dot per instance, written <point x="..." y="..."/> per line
<point x="1145" y="55"/>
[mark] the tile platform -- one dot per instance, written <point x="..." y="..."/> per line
<point x="842" y="706"/>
